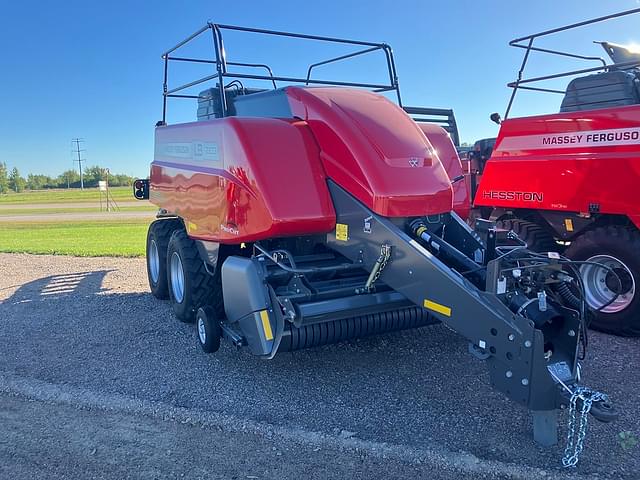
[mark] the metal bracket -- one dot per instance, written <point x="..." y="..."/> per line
<point x="545" y="427"/>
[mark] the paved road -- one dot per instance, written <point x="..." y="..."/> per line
<point x="90" y="361"/>
<point x="76" y="216"/>
<point x="67" y="205"/>
<point x="52" y="215"/>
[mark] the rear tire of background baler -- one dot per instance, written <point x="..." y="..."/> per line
<point x="190" y="285"/>
<point x="158" y="236"/>
<point x="535" y="236"/>
<point x="621" y="244"/>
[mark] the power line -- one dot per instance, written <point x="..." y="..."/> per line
<point x="78" y="141"/>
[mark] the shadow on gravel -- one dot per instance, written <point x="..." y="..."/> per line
<point x="59" y="286"/>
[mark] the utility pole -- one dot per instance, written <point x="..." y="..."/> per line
<point x="77" y="150"/>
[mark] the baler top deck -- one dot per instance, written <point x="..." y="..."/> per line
<point x="302" y="215"/>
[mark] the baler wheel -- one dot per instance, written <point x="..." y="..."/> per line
<point x="616" y="247"/>
<point x="158" y="237"/>
<point x="538" y="239"/>
<point x="208" y="329"/>
<point x="190" y="285"/>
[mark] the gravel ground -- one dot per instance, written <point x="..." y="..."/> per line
<point x="84" y="333"/>
<point x="98" y="444"/>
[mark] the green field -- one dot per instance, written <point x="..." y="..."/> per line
<point x="64" y="195"/>
<point x="115" y="235"/>
<point x="114" y="238"/>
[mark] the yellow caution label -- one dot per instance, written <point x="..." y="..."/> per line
<point x="266" y="325"/>
<point x="568" y="224"/>
<point x="191" y="227"/>
<point x="342" y="232"/>
<point x="437" y="307"/>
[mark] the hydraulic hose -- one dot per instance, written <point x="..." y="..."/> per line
<point x="567" y="295"/>
<point x="448" y="254"/>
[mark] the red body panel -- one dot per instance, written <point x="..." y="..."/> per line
<point x="448" y="155"/>
<point x="372" y="149"/>
<point x="566" y="162"/>
<point x="241" y="179"/>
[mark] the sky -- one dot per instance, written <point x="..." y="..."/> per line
<point x="93" y="69"/>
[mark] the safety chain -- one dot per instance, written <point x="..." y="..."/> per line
<point x="378" y="267"/>
<point x="576" y="436"/>
<point x="385" y="254"/>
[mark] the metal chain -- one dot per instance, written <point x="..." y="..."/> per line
<point x="381" y="262"/>
<point x="575" y="439"/>
<point x="385" y="253"/>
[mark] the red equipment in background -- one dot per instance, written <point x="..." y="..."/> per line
<point x="568" y="181"/>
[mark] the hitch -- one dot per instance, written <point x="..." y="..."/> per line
<point x="604" y="411"/>
<point x="600" y="405"/>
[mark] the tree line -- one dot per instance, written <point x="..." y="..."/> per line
<point x="13" y="181"/>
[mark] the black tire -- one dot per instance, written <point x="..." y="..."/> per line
<point x="538" y="239"/>
<point x="623" y="244"/>
<point x="208" y="331"/>
<point x="194" y="287"/>
<point x="158" y="236"/>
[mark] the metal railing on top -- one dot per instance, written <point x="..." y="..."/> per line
<point x="222" y="65"/>
<point x="527" y="42"/>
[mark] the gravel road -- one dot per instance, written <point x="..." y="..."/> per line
<point x="98" y="380"/>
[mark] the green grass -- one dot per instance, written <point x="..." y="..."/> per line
<point x="115" y="238"/>
<point x="65" y="195"/>
<point x="143" y="207"/>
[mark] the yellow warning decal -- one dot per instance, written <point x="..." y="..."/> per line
<point x="568" y="224"/>
<point x="191" y="227"/>
<point x="436" y="307"/>
<point x="342" y="232"/>
<point x="266" y="325"/>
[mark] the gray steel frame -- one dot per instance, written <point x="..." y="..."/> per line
<point x="510" y="343"/>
